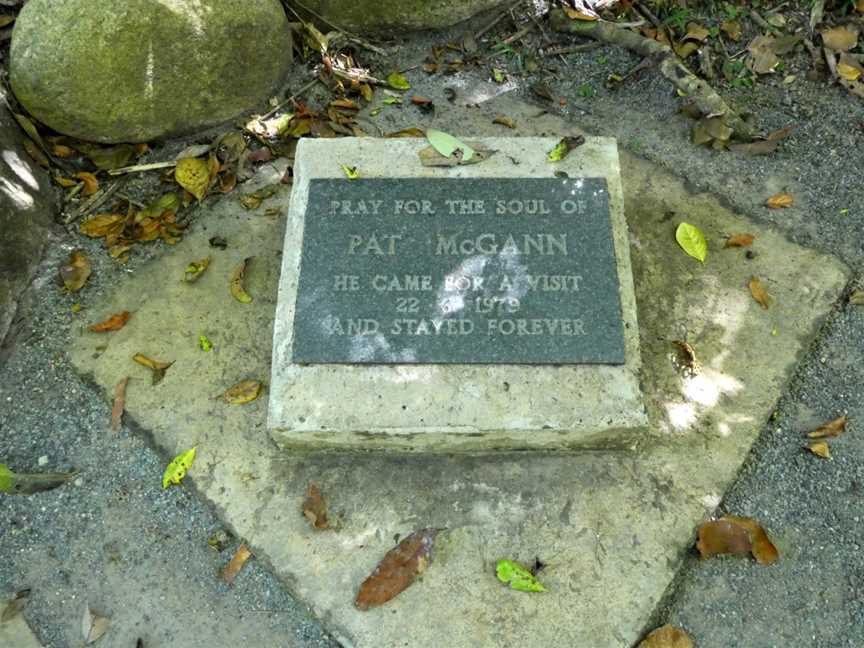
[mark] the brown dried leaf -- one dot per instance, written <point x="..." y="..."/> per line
<point x="62" y="151"/>
<point x="739" y="240"/>
<point x="407" y="132"/>
<point x="763" y="58"/>
<point x="119" y="404"/>
<point x="103" y="225"/>
<point x="236" y="563"/>
<point x="158" y="368"/>
<point x="832" y="428"/>
<point x="504" y="121"/>
<point x="91" y="184"/>
<point x="238" y="291"/>
<point x="735" y="535"/>
<point x="76" y="271"/>
<point x="760" y="294"/>
<point x="840" y="39"/>
<point x="667" y="636"/>
<point x="398" y="569"/>
<point x="93" y="626"/>
<point x="15" y="606"/>
<point x="113" y="323"/>
<point x="688" y="357"/>
<point x="857" y="298"/>
<point x="780" y="201"/>
<point x="732" y="28"/>
<point x="243" y="392"/>
<point x="315" y="508"/>
<point x="820" y="449"/>
<point x="36" y="153"/>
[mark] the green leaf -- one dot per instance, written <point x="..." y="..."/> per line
<point x="692" y="241"/>
<point x="397" y="81"/>
<point x="447" y="145"/>
<point x="27" y="484"/>
<point x="498" y="75"/>
<point x="7" y="479"/>
<point x="393" y="101"/>
<point x="562" y="149"/>
<point x="176" y="470"/>
<point x="205" y="343"/>
<point x="351" y="172"/>
<point x="519" y="577"/>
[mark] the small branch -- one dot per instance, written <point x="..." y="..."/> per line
<point x="497" y="19"/>
<point x="282" y="104"/>
<point x="519" y="34"/>
<point x="704" y="96"/>
<point x="570" y="49"/>
<point x="143" y="167"/>
<point x="94" y="202"/>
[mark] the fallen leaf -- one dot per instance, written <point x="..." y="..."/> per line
<point x="737" y="536"/>
<point x="36" y="153"/>
<point x="238" y="291"/>
<point x="176" y="470"/>
<point x="692" y="241"/>
<point x="760" y="294"/>
<point x="193" y="151"/>
<point x="28" y="483"/>
<point x="498" y="75"/>
<point x="449" y="146"/>
<point x="103" y="225"/>
<point x="739" y="240"/>
<point x="667" y="636"/>
<point x="158" y="368"/>
<point x="62" y="151"/>
<point x="263" y="154"/>
<point x="763" y="58"/>
<point x="253" y="200"/>
<point x="393" y="101"/>
<point x="820" y="449"/>
<point x="399" y="568"/>
<point x="193" y="174"/>
<point x="712" y="130"/>
<point x="688" y="355"/>
<point x="243" y="392"/>
<point x="119" y="404"/>
<point x="218" y="242"/>
<point x="15" y="605"/>
<point x="397" y="81"/>
<point x="113" y="323"/>
<point x="562" y="149"/>
<point x="30" y="128"/>
<point x="66" y="183"/>
<point x="204" y="343"/>
<point x="432" y="158"/>
<point x="236" y="563"/>
<point x="315" y="509"/>
<point x="857" y="298"/>
<point x="107" y="157"/>
<point x="780" y="201"/>
<point x="519" y="577"/>
<point x="6" y="20"/>
<point x="417" y="100"/>
<point x="840" y="39"/>
<point x="732" y="28"/>
<point x="504" y="121"/>
<point x="76" y="271"/>
<point x="584" y="12"/>
<point x="195" y="269"/>
<point x="848" y="72"/>
<point x="350" y="172"/>
<point x="692" y="40"/>
<point x="91" y="184"/>
<point x="407" y="132"/>
<point x="93" y="626"/>
<point x="832" y="428"/>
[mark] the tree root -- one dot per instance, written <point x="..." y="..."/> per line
<point x="704" y="97"/>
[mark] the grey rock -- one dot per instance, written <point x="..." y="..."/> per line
<point x="377" y="16"/>
<point x="141" y="70"/>
<point x="27" y="205"/>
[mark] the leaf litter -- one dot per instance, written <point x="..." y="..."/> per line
<point x="692" y="241"/>
<point x="398" y="570"/>
<point x="229" y="574"/>
<point x="518" y="576"/>
<point x="158" y="368"/>
<point x="736" y="536"/>
<point x="236" y="287"/>
<point x="315" y="508"/>
<point x="179" y="466"/>
<point x="113" y="323"/>
<point x="93" y="626"/>
<point x="243" y="392"/>
<point x="119" y="404"/>
<point x="667" y="636"/>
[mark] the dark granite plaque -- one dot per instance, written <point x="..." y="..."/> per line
<point x="468" y="271"/>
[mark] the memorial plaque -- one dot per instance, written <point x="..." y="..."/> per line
<point x="458" y="271"/>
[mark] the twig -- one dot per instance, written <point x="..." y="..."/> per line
<point x="290" y="99"/>
<point x="143" y="167"/>
<point x="646" y="13"/>
<point x="354" y="38"/>
<point x="569" y="49"/>
<point x="670" y="66"/>
<point x="498" y="19"/>
<point x="759" y="20"/>
<point x="519" y="34"/>
<point x="362" y="77"/>
<point x="95" y="201"/>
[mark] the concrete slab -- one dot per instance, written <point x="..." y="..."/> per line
<point x="613" y="526"/>
<point x="450" y="407"/>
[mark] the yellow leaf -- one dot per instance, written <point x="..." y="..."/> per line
<point x="351" y="172"/>
<point x="848" y="72"/>
<point x="103" y="225"/>
<point x="91" y="184"/>
<point x="76" y="271"/>
<point x="62" y="151"/>
<point x="820" y="449"/>
<point x="667" y="636"/>
<point x="760" y="294"/>
<point x="243" y="392"/>
<point x="780" y="201"/>
<point x="841" y="38"/>
<point x="195" y="269"/>
<point x="562" y="149"/>
<point x="692" y="241"/>
<point x="575" y="14"/>
<point x="238" y="291"/>
<point x="503" y="120"/>
<point x="176" y="470"/>
<point x="832" y="428"/>
<point x="158" y="368"/>
<point x="397" y="81"/>
<point x="193" y="174"/>
<point x="64" y="182"/>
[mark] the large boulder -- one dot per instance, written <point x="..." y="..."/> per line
<point x="27" y="208"/>
<point x="378" y="16"/>
<point x="138" y="70"/>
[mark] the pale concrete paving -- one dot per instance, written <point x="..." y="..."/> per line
<point x="614" y="526"/>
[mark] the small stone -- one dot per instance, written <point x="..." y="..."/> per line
<point x="88" y="69"/>
<point x="43" y="460"/>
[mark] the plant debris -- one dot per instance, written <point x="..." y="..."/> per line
<point x="243" y="392"/>
<point x="158" y="368"/>
<point x="820" y="449"/>
<point x="76" y="271"/>
<point x="398" y="570"/>
<point x="737" y="536"/>
<point x="176" y="470"/>
<point x="780" y="201"/>
<point x="93" y="626"/>
<point x="195" y="269"/>
<point x="692" y="241"/>
<point x="759" y="293"/>
<point x="667" y="636"/>
<point x="236" y="564"/>
<point x="14" y="483"/>
<point x="113" y="323"/>
<point x="119" y="404"/>
<point x="315" y="508"/>
<point x="238" y="291"/>
<point x="739" y="240"/>
<point x="563" y="148"/>
<point x="832" y="428"/>
<point x="517" y="576"/>
<point x="15" y="605"/>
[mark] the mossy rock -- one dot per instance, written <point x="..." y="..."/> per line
<point x="139" y="70"/>
<point x="378" y="16"/>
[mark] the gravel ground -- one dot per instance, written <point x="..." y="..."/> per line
<point x="113" y="537"/>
